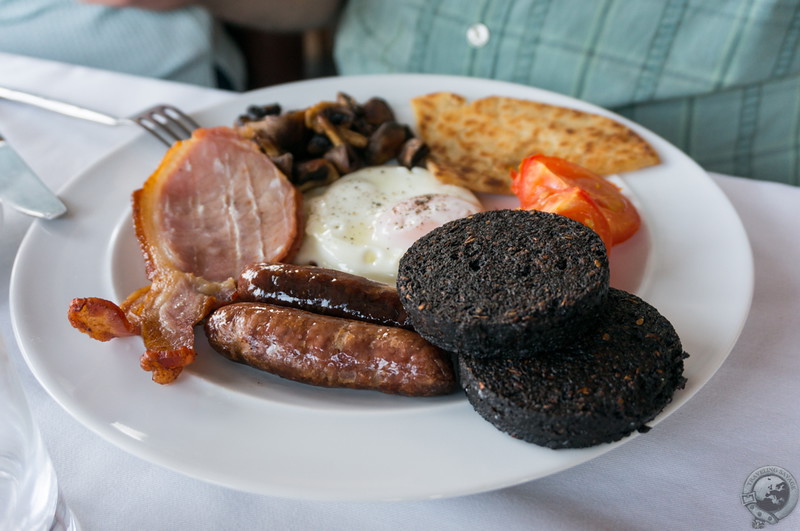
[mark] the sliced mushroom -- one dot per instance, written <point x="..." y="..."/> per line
<point x="312" y="112"/>
<point x="331" y="138"/>
<point x="338" y="115"/>
<point x="385" y="143"/>
<point x="348" y="101"/>
<point x="284" y="162"/>
<point x="345" y="158"/>
<point x="333" y="120"/>
<point x="277" y="133"/>
<point x="318" y="145"/>
<point x="359" y="123"/>
<point x="321" y="124"/>
<point x="353" y="138"/>
<point x="260" y="111"/>
<point x="313" y="173"/>
<point x="413" y="153"/>
<point x="377" y="111"/>
<point x="266" y="144"/>
<point x="254" y="113"/>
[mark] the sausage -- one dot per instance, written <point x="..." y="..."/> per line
<point x="323" y="291"/>
<point x="330" y="351"/>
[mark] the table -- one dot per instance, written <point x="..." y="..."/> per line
<point x="687" y="473"/>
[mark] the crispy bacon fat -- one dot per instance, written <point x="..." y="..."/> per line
<point x="214" y="205"/>
<point x="100" y="319"/>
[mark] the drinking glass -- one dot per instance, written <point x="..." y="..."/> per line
<point x="29" y="494"/>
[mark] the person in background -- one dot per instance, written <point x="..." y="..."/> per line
<point x="178" y="40"/>
<point x="720" y="79"/>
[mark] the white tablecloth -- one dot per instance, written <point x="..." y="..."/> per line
<point x="687" y="473"/>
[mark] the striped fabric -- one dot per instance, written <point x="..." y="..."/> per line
<point x="718" y="78"/>
<point x="182" y="45"/>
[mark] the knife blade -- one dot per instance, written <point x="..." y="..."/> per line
<point x="22" y="189"/>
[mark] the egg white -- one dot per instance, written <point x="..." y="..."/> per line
<point x="364" y="222"/>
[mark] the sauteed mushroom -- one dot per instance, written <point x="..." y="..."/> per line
<point x="277" y="134"/>
<point x="315" y="172"/>
<point x="316" y="145"/>
<point x="377" y="111"/>
<point x="258" y="112"/>
<point x="344" y="158"/>
<point x="385" y="143"/>
<point x="413" y="153"/>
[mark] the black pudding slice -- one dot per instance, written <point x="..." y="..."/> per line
<point x="504" y="282"/>
<point x="607" y="384"/>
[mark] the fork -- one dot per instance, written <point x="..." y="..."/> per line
<point x="165" y="122"/>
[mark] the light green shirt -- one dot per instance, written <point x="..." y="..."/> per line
<point x="718" y="78"/>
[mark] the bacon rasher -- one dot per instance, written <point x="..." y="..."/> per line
<point x="214" y="205"/>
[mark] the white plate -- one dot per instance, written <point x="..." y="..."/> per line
<point x="232" y="425"/>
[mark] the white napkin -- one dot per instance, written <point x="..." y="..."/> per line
<point x="687" y="473"/>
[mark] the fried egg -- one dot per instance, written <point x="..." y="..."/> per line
<point x="364" y="222"/>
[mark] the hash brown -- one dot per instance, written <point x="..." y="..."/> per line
<point x="475" y="144"/>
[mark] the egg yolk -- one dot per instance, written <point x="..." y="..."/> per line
<point x="412" y="218"/>
<point x="364" y="222"/>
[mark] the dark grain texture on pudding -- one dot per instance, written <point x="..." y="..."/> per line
<point x="606" y="384"/>
<point x="504" y="282"/>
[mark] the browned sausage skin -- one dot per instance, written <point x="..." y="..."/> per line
<point x="323" y="291"/>
<point x="330" y="351"/>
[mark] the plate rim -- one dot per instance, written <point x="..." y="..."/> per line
<point x="130" y="445"/>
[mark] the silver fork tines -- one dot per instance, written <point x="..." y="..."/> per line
<point x="167" y="123"/>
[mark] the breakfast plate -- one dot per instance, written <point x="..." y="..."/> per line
<point x="235" y="426"/>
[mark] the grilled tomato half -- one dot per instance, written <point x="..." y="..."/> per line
<point x="552" y="184"/>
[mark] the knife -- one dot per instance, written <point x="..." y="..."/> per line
<point x="22" y="189"/>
